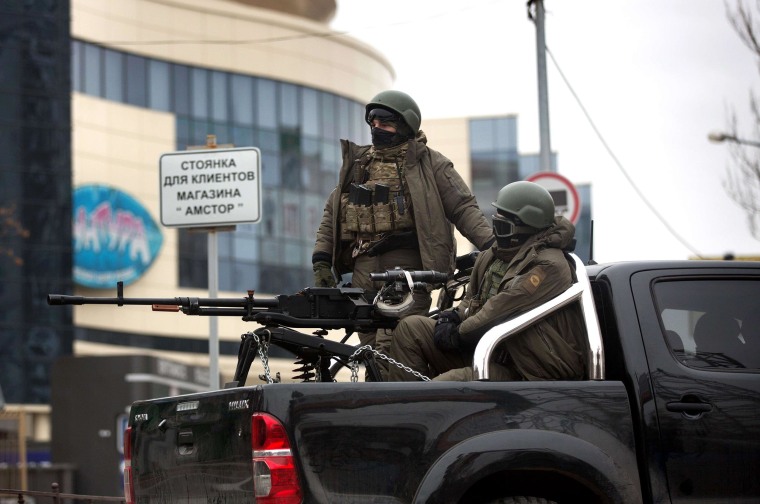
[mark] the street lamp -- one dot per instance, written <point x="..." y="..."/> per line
<point x="719" y="137"/>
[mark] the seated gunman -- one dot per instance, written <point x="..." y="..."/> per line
<point x="526" y="267"/>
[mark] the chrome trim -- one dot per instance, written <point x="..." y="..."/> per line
<point x="283" y="452"/>
<point x="188" y="406"/>
<point x="238" y="404"/>
<point x="579" y="291"/>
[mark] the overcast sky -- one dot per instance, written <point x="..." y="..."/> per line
<point x="655" y="77"/>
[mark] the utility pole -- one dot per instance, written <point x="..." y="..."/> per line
<point x="545" y="156"/>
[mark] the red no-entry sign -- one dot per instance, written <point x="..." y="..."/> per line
<point x="566" y="200"/>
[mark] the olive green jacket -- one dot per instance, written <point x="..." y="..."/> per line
<point x="552" y="348"/>
<point x="440" y="198"/>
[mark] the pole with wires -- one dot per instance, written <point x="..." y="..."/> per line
<point x="537" y="15"/>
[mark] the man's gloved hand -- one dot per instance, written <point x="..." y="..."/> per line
<point x="323" y="276"/>
<point x="446" y="333"/>
<point x="449" y="316"/>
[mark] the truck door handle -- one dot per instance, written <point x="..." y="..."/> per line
<point x="185" y="440"/>
<point x="690" y="406"/>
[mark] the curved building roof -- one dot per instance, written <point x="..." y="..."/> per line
<point x="285" y="40"/>
<point x="317" y="10"/>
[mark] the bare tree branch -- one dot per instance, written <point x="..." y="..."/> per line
<point x="744" y="25"/>
<point x="743" y="180"/>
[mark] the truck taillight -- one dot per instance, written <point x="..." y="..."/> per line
<point x="129" y="489"/>
<point x="275" y="479"/>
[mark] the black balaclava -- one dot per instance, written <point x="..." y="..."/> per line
<point x="383" y="139"/>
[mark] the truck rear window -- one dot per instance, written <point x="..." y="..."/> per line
<point x="711" y="324"/>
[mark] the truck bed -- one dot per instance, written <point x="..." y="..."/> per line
<point x="382" y="442"/>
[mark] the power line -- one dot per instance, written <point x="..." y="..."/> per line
<point x="619" y="164"/>
<point x="225" y="41"/>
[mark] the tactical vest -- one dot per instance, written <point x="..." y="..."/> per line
<point x="378" y="201"/>
<point x="493" y="277"/>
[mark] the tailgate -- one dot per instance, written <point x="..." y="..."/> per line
<point x="194" y="448"/>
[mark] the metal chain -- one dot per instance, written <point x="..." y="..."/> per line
<point x="353" y="361"/>
<point x="263" y="348"/>
<point x="354" y="364"/>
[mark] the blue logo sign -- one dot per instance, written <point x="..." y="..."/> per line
<point x="115" y="238"/>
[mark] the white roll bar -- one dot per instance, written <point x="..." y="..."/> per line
<point x="579" y="291"/>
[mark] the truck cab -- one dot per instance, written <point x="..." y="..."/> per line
<point x="688" y="351"/>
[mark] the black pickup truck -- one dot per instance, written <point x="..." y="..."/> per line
<point x="670" y="412"/>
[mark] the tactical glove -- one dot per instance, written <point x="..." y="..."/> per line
<point x="446" y="333"/>
<point x="323" y="276"/>
<point x="449" y="316"/>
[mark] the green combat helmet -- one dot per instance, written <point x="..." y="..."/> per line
<point x="400" y="103"/>
<point x="528" y="201"/>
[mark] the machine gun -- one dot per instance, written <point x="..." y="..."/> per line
<point x="314" y="307"/>
<point x="348" y="308"/>
<point x="326" y="308"/>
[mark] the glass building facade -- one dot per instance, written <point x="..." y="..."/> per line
<point x="296" y="128"/>
<point x="494" y="159"/>
<point x="35" y="194"/>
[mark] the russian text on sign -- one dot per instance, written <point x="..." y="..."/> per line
<point x="209" y="209"/>
<point x="210" y="187"/>
<point x="208" y="194"/>
<point x="208" y="164"/>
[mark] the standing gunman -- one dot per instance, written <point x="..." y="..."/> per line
<point x="394" y="206"/>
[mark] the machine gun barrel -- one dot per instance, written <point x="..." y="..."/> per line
<point x="61" y="299"/>
<point x="417" y="276"/>
<point x="326" y="308"/>
<point x="241" y="307"/>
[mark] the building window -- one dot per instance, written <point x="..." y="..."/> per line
<point x="114" y="75"/>
<point x="137" y="81"/>
<point x="266" y="101"/>
<point x="160" y="84"/>
<point x="92" y="73"/>
<point x="181" y="90"/>
<point x="199" y="93"/>
<point x="220" y="102"/>
<point x="243" y="109"/>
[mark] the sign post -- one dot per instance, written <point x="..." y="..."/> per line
<point x="567" y="203"/>
<point x="213" y="323"/>
<point x="211" y="189"/>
